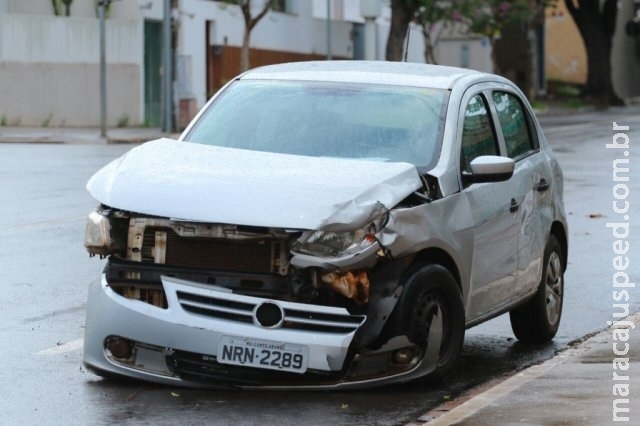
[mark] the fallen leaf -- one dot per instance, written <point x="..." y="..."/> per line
<point x="175" y="394"/>
<point x="344" y="406"/>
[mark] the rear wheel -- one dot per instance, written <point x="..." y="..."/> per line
<point x="537" y="320"/>
<point x="430" y="296"/>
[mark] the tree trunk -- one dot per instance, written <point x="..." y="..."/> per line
<point x="429" y="48"/>
<point x="597" y="27"/>
<point x="494" y="55"/>
<point x="401" y="15"/>
<point x="249" y="23"/>
<point x="244" y="52"/>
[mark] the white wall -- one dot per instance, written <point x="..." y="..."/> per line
<point x="34" y="38"/>
<point x="50" y="72"/>
<point x="123" y="9"/>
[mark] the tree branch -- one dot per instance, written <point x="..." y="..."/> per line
<point x="265" y="8"/>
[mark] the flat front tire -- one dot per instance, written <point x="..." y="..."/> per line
<point x="537" y="320"/>
<point x="431" y="290"/>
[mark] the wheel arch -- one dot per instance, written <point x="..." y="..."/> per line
<point x="441" y="257"/>
<point x="558" y="230"/>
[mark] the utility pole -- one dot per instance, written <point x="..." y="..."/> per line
<point x="167" y="125"/>
<point x="102" y="4"/>
<point x="370" y="10"/>
<point x="329" y="54"/>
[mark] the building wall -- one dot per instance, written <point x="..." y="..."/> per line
<point x="566" y="57"/>
<point x="123" y="9"/>
<point x="50" y="70"/>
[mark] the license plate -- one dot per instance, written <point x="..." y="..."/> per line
<point x="262" y="354"/>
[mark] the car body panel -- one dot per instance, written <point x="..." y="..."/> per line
<point x="226" y="185"/>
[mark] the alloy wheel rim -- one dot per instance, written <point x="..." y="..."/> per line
<point x="553" y="288"/>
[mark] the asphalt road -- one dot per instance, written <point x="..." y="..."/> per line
<point x="45" y="272"/>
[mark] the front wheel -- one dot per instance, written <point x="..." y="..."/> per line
<point x="430" y="305"/>
<point x="537" y="320"/>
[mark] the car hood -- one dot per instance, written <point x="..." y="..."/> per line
<point x="188" y="181"/>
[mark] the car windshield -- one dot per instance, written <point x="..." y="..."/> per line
<point x="321" y="119"/>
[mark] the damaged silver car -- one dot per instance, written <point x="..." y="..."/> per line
<point x="327" y="225"/>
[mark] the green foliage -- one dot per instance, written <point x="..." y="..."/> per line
<point x="492" y="16"/>
<point x="568" y="91"/>
<point x="47" y="121"/>
<point x="484" y="17"/>
<point x="123" y="121"/>
<point x="107" y="8"/>
<point x="3" y="120"/>
<point x="57" y="7"/>
<point x="429" y="13"/>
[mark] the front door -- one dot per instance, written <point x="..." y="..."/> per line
<point x="495" y="222"/>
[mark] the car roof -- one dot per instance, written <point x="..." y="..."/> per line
<point x="378" y="72"/>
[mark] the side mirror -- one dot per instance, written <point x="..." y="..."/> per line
<point x="490" y="168"/>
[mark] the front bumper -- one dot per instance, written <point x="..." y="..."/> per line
<point x="178" y="345"/>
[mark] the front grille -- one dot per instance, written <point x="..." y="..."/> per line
<point x="298" y="316"/>
<point x="207" y="246"/>
<point x="189" y="252"/>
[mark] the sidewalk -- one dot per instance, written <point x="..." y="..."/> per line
<point x="80" y="135"/>
<point x="573" y="388"/>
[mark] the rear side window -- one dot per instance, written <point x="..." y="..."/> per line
<point x="517" y="126"/>
<point x="478" y="136"/>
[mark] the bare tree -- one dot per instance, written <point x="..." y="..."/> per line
<point x="249" y="23"/>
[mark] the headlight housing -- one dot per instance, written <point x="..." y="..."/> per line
<point x="105" y="232"/>
<point x="340" y="244"/>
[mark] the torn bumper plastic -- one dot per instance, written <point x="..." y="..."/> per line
<point x="181" y="345"/>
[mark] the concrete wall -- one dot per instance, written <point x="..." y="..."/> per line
<point x="566" y="56"/>
<point x="50" y="74"/>
<point x="123" y="9"/>
<point x="58" y="94"/>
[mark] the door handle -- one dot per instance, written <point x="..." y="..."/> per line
<point x="514" y="205"/>
<point x="543" y="185"/>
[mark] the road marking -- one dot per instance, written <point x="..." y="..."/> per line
<point x="63" y="348"/>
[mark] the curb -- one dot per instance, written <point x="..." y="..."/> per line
<point x="27" y="140"/>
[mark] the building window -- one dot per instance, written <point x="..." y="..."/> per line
<point x="283" y="6"/>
